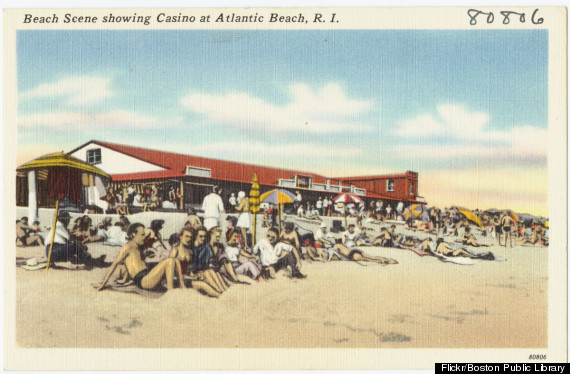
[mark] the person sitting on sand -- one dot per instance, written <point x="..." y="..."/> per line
<point x="323" y="242"/>
<point x="182" y="252"/>
<point x="25" y="234"/>
<point x="154" y="245"/>
<point x="66" y="248"/>
<point x="290" y="236"/>
<point x="233" y="251"/>
<point x="311" y="213"/>
<point x="300" y="211"/>
<point x="274" y="256"/>
<point x="193" y="220"/>
<point x="351" y="237"/>
<point x="201" y="254"/>
<point x="130" y="256"/>
<point x="469" y="239"/>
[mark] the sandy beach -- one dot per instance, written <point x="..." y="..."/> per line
<point x="420" y="302"/>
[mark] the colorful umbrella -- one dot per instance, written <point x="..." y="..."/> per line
<point x="347" y="198"/>
<point x="470" y="216"/>
<point x="413" y="210"/>
<point x="63" y="179"/>
<point x="279" y="197"/>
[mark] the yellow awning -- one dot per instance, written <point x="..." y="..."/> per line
<point x="61" y="160"/>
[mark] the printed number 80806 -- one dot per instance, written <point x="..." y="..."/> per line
<point x="537" y="357"/>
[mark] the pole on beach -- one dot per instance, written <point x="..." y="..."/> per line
<point x="345" y="220"/>
<point x="52" y="234"/>
<point x="279" y="205"/>
<point x="254" y="202"/>
<point x="181" y="195"/>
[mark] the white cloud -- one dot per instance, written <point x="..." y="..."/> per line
<point x="81" y="120"/>
<point x="467" y="135"/>
<point x="327" y="109"/>
<point x="76" y="91"/>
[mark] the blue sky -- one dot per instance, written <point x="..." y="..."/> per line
<point x="334" y="102"/>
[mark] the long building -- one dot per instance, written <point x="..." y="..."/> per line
<point x="193" y="177"/>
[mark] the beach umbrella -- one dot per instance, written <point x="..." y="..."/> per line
<point x="472" y="217"/>
<point x="254" y="201"/>
<point x="279" y="197"/>
<point x="413" y="210"/>
<point x="347" y="198"/>
<point x="424" y="216"/>
<point x="64" y="179"/>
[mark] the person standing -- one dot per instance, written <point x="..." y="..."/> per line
<point x="244" y="219"/>
<point x="213" y="206"/>
<point x="326" y="205"/>
<point x="233" y="202"/>
<point x="298" y="200"/>
<point x="319" y="206"/>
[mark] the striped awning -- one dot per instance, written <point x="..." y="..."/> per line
<point x="61" y="160"/>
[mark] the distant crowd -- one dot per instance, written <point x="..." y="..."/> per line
<point x="203" y="256"/>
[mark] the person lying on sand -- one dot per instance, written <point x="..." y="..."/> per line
<point x="445" y="249"/>
<point x="25" y="234"/>
<point x="130" y="255"/>
<point x="358" y="255"/>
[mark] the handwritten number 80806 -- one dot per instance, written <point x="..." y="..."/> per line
<point x="474" y="13"/>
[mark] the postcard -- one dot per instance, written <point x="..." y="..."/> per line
<point x="284" y="188"/>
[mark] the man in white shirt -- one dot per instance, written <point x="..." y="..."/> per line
<point x="298" y="200"/>
<point x="326" y="243"/>
<point x="326" y="205"/>
<point x="350" y="238"/>
<point x="276" y="256"/>
<point x="319" y="206"/>
<point x="65" y="248"/>
<point x="213" y="206"/>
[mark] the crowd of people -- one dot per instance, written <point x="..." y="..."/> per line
<point x="203" y="256"/>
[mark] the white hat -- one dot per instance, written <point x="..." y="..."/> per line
<point x="323" y="225"/>
<point x="32" y="264"/>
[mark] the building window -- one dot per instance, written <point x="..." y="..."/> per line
<point x="94" y="156"/>
<point x="390" y="185"/>
<point x="304" y="181"/>
<point x="198" y="172"/>
<point x="411" y="188"/>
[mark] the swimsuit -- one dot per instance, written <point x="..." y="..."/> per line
<point x="139" y="277"/>
<point x="353" y="252"/>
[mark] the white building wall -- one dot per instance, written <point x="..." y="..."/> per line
<point x="113" y="162"/>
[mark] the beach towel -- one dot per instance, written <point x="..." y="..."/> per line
<point x="456" y="260"/>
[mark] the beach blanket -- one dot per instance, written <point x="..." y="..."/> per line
<point x="456" y="260"/>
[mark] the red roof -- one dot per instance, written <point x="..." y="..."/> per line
<point x="175" y="165"/>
